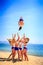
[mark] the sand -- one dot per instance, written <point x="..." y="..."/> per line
<point x="33" y="60"/>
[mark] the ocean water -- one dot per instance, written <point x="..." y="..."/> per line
<point x="32" y="49"/>
<point x="4" y="46"/>
<point x="35" y="49"/>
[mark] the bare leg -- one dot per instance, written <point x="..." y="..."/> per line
<point x="9" y="55"/>
<point x="18" y="55"/>
<point x="26" y="57"/>
<point x="22" y="54"/>
<point x="13" y="54"/>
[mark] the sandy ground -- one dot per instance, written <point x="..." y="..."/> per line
<point x="33" y="60"/>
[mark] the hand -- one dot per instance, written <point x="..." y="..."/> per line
<point x="13" y="36"/>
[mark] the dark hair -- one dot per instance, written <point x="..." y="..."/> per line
<point x="21" y="19"/>
<point x="20" y="28"/>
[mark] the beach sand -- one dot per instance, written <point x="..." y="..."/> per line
<point x="33" y="60"/>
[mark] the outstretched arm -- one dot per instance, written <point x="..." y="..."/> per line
<point x="23" y="36"/>
<point x="13" y="36"/>
<point x="10" y="41"/>
<point x="18" y="37"/>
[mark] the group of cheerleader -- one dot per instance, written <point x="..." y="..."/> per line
<point x="19" y="46"/>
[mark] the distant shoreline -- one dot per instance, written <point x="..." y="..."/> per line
<point x="32" y="49"/>
<point x="27" y="53"/>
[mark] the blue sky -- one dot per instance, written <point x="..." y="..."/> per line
<point x="32" y="13"/>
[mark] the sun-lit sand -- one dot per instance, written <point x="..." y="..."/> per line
<point x="33" y="60"/>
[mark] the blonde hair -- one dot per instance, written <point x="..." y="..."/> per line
<point x="27" y="40"/>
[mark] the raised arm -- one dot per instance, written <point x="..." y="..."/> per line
<point x="18" y="37"/>
<point x="13" y="36"/>
<point x="23" y="36"/>
<point x="9" y="40"/>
